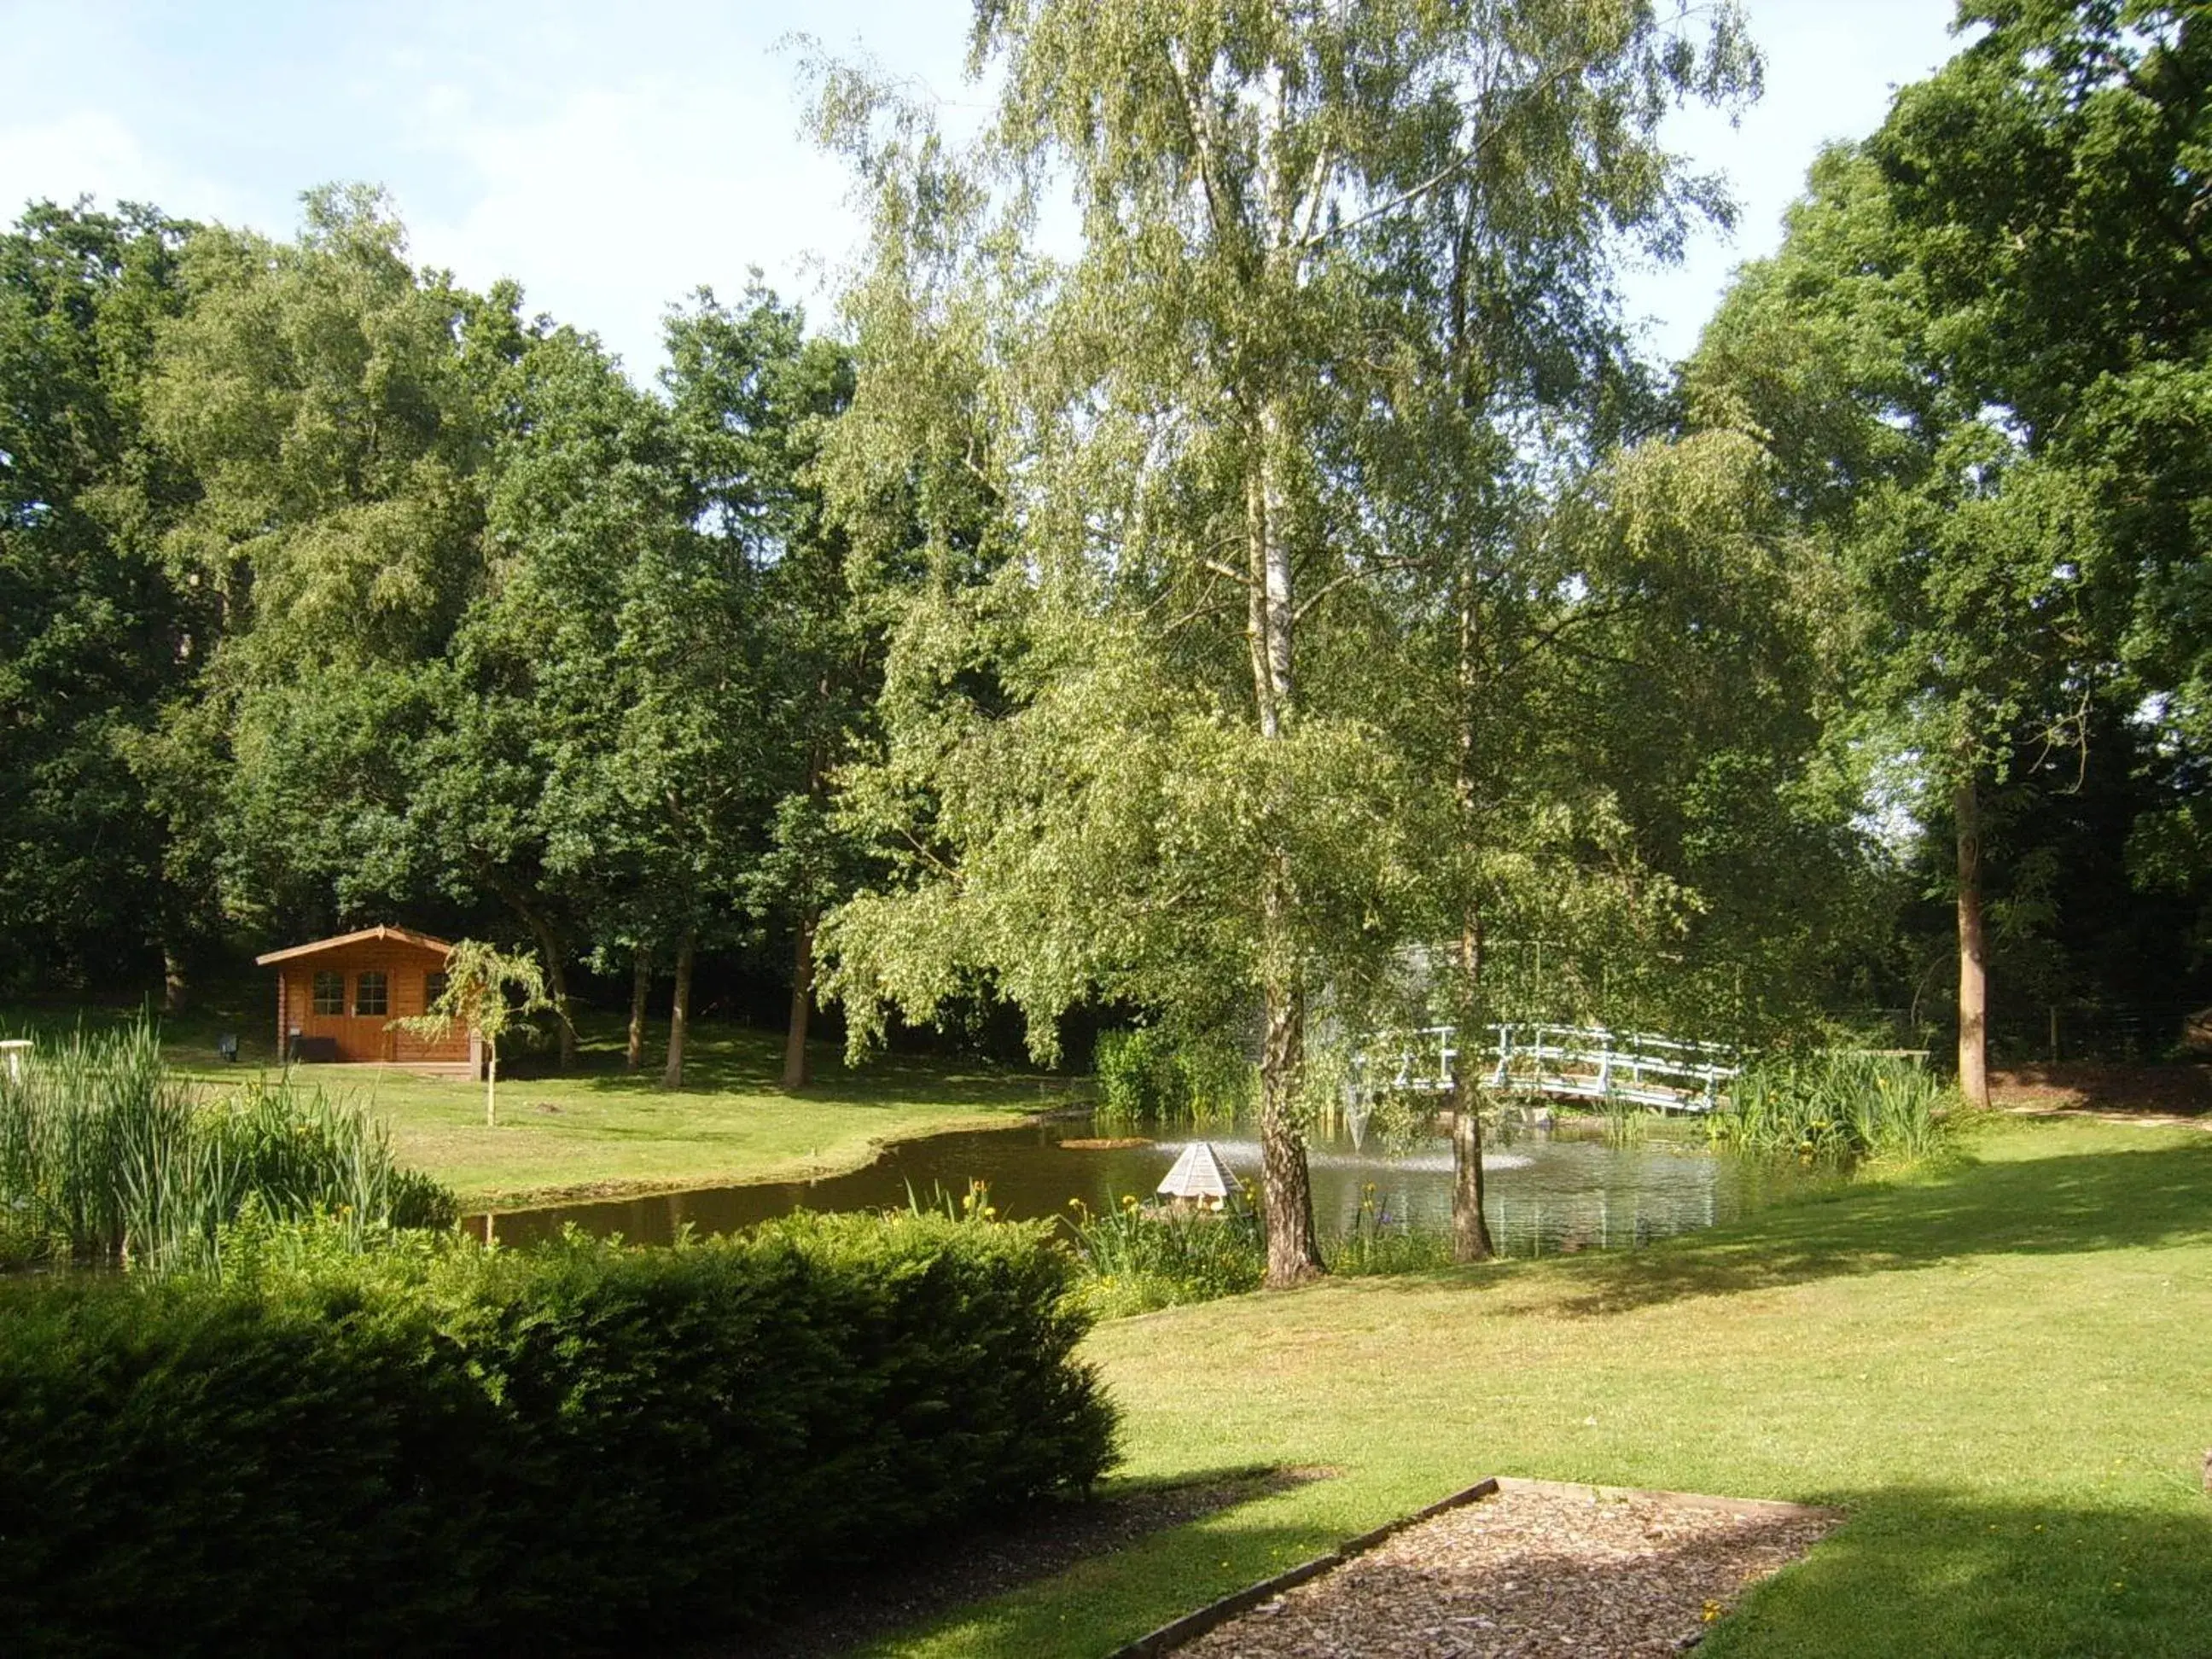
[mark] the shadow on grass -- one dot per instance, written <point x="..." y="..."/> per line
<point x="1021" y="1547"/>
<point x="1912" y="1571"/>
<point x="2120" y="1200"/>
<point x="1929" y="1572"/>
<point x="2095" y="1086"/>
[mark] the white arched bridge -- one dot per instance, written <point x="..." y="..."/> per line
<point x="1576" y="1062"/>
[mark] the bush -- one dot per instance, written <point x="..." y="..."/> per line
<point x="439" y="1447"/>
<point x="105" y="1156"/>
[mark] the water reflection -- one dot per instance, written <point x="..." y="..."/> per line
<point x="1548" y="1190"/>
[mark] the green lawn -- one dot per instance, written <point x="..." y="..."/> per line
<point x="602" y="1131"/>
<point x="2003" y="1373"/>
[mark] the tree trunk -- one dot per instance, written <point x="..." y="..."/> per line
<point x="802" y="1003"/>
<point x="548" y="950"/>
<point x="1470" y="1227"/>
<point x="1973" y="973"/>
<point x="491" y="1083"/>
<point x="556" y="978"/>
<point x="173" y="985"/>
<point x="1285" y="1185"/>
<point x="640" y="988"/>
<point x="679" y="1016"/>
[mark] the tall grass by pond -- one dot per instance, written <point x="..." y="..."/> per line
<point x="1837" y="1109"/>
<point x="1145" y="1077"/>
<point x="105" y="1157"/>
<point x="1839" y="1106"/>
<point x="1134" y="1260"/>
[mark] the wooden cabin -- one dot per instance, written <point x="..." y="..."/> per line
<point x="336" y="998"/>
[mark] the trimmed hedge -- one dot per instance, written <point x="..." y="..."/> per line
<point x="574" y="1447"/>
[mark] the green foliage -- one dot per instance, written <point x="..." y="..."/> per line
<point x="1134" y="1259"/>
<point x="105" y="1157"/>
<point x="1378" y="1243"/>
<point x="1145" y="751"/>
<point x="90" y="626"/>
<point x="1839" y="1106"/>
<point x="1146" y="1075"/>
<point x="582" y="1448"/>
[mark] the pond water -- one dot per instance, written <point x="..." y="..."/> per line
<point x="1547" y="1189"/>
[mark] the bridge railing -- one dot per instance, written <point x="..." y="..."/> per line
<point x="1588" y="1062"/>
<point x="1421" y="1060"/>
<point x="1593" y="1063"/>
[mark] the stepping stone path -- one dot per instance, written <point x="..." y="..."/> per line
<point x="1529" y="1570"/>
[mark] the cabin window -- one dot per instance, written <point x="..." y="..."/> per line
<point x="330" y="994"/>
<point x="434" y="986"/>
<point x="368" y="995"/>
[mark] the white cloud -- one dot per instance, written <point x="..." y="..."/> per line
<point x="613" y="158"/>
<point x="619" y="200"/>
<point x="91" y="151"/>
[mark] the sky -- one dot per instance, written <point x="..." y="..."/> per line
<point x="613" y="157"/>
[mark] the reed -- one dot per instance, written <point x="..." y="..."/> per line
<point x="1627" y="1123"/>
<point x="1378" y="1242"/>
<point x="106" y="1157"/>
<point x="1147" y="1078"/>
<point x="1132" y="1259"/>
<point x="1838" y="1106"/>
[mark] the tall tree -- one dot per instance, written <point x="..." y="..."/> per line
<point x="332" y="401"/>
<point x="94" y="637"/>
<point x="1970" y="359"/>
<point x="1184" y="800"/>
<point x="2052" y="182"/>
<point x="750" y="396"/>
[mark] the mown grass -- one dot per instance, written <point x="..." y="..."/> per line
<point x="600" y="1130"/>
<point x="2002" y="1370"/>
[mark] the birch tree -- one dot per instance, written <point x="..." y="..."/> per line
<point x="1143" y="758"/>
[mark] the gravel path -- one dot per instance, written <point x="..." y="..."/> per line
<point x="1526" y="1573"/>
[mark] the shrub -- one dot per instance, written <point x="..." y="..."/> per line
<point x="439" y="1447"/>
<point x="105" y="1156"/>
<point x="1137" y="1081"/>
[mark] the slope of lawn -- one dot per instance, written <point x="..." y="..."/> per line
<point x="2002" y="1372"/>
<point x="600" y="1130"/>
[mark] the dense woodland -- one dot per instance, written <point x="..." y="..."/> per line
<point x="1297" y="602"/>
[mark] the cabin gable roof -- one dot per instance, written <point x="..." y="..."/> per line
<point x="376" y="935"/>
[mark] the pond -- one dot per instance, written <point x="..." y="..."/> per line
<point x="1561" y="1188"/>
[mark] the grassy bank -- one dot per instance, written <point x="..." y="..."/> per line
<point x="602" y="1131"/>
<point x="2000" y="1371"/>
